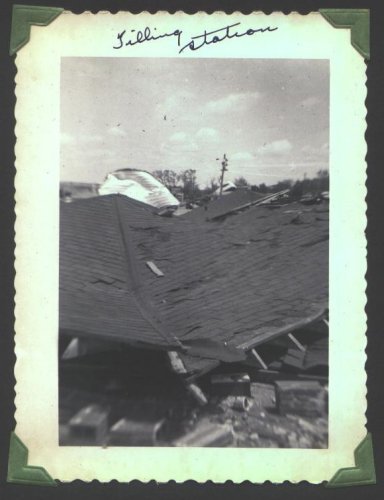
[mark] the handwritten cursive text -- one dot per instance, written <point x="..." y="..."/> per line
<point x="195" y="42"/>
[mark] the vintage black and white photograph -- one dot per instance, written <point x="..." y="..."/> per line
<point x="194" y="223"/>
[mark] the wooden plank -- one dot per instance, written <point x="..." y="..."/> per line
<point x="259" y="359"/>
<point x="198" y="394"/>
<point x="179" y="368"/>
<point x="298" y="344"/>
<point x="152" y="266"/>
<point x="176" y="363"/>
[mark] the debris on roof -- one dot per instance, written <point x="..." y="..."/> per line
<point x="232" y="203"/>
<point x="152" y="266"/>
<point x="139" y="185"/>
<point x="219" y="207"/>
<point x="226" y="289"/>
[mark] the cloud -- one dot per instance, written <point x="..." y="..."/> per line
<point x="116" y="131"/>
<point x="207" y="134"/>
<point x="277" y="148"/>
<point x="179" y="142"/>
<point x="242" y="156"/>
<point x="174" y="102"/>
<point x="66" y="138"/>
<point x="315" y="152"/>
<point x="232" y="102"/>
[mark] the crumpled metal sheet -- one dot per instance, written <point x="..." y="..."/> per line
<point x="139" y="185"/>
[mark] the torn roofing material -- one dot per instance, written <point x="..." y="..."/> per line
<point x="221" y="206"/>
<point x="225" y="287"/>
<point x="139" y="185"/>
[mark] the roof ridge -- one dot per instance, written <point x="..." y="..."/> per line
<point x="140" y="298"/>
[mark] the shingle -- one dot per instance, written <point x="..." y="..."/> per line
<point x="211" y="286"/>
<point x="221" y="206"/>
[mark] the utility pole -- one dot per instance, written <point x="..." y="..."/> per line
<point x="224" y="165"/>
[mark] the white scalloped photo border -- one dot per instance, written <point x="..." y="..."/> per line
<point x="37" y="243"/>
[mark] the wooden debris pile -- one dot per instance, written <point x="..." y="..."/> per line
<point x="119" y="404"/>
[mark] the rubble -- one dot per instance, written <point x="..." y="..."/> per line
<point x="128" y="432"/>
<point x="305" y="398"/>
<point x="89" y="425"/>
<point x="235" y="384"/>
<point x="207" y="434"/>
<point x="241" y="403"/>
<point x="224" y="296"/>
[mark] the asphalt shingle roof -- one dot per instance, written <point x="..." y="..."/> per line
<point x="221" y="206"/>
<point x="226" y="286"/>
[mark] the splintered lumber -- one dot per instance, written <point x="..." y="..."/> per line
<point x="176" y="363"/>
<point x="259" y="358"/>
<point x="178" y="367"/>
<point x="298" y="344"/>
<point x="197" y="393"/>
<point x="303" y="398"/>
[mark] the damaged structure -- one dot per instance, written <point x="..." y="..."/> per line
<point x="139" y="185"/>
<point x="233" y="202"/>
<point x="199" y="290"/>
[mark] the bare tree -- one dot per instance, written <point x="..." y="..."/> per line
<point x="167" y="177"/>
<point x="159" y="174"/>
<point x="213" y="184"/>
<point x="190" y="186"/>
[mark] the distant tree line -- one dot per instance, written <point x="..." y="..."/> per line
<point x="301" y="187"/>
<point x="185" y="182"/>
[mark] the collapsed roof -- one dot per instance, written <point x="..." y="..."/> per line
<point x="210" y="291"/>
<point x="221" y="206"/>
<point x="139" y="185"/>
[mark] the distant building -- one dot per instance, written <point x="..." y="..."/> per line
<point x="228" y="187"/>
<point x="78" y="190"/>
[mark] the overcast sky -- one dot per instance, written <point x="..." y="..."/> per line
<point x="271" y="117"/>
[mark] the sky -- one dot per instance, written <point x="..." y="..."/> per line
<point x="269" y="116"/>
